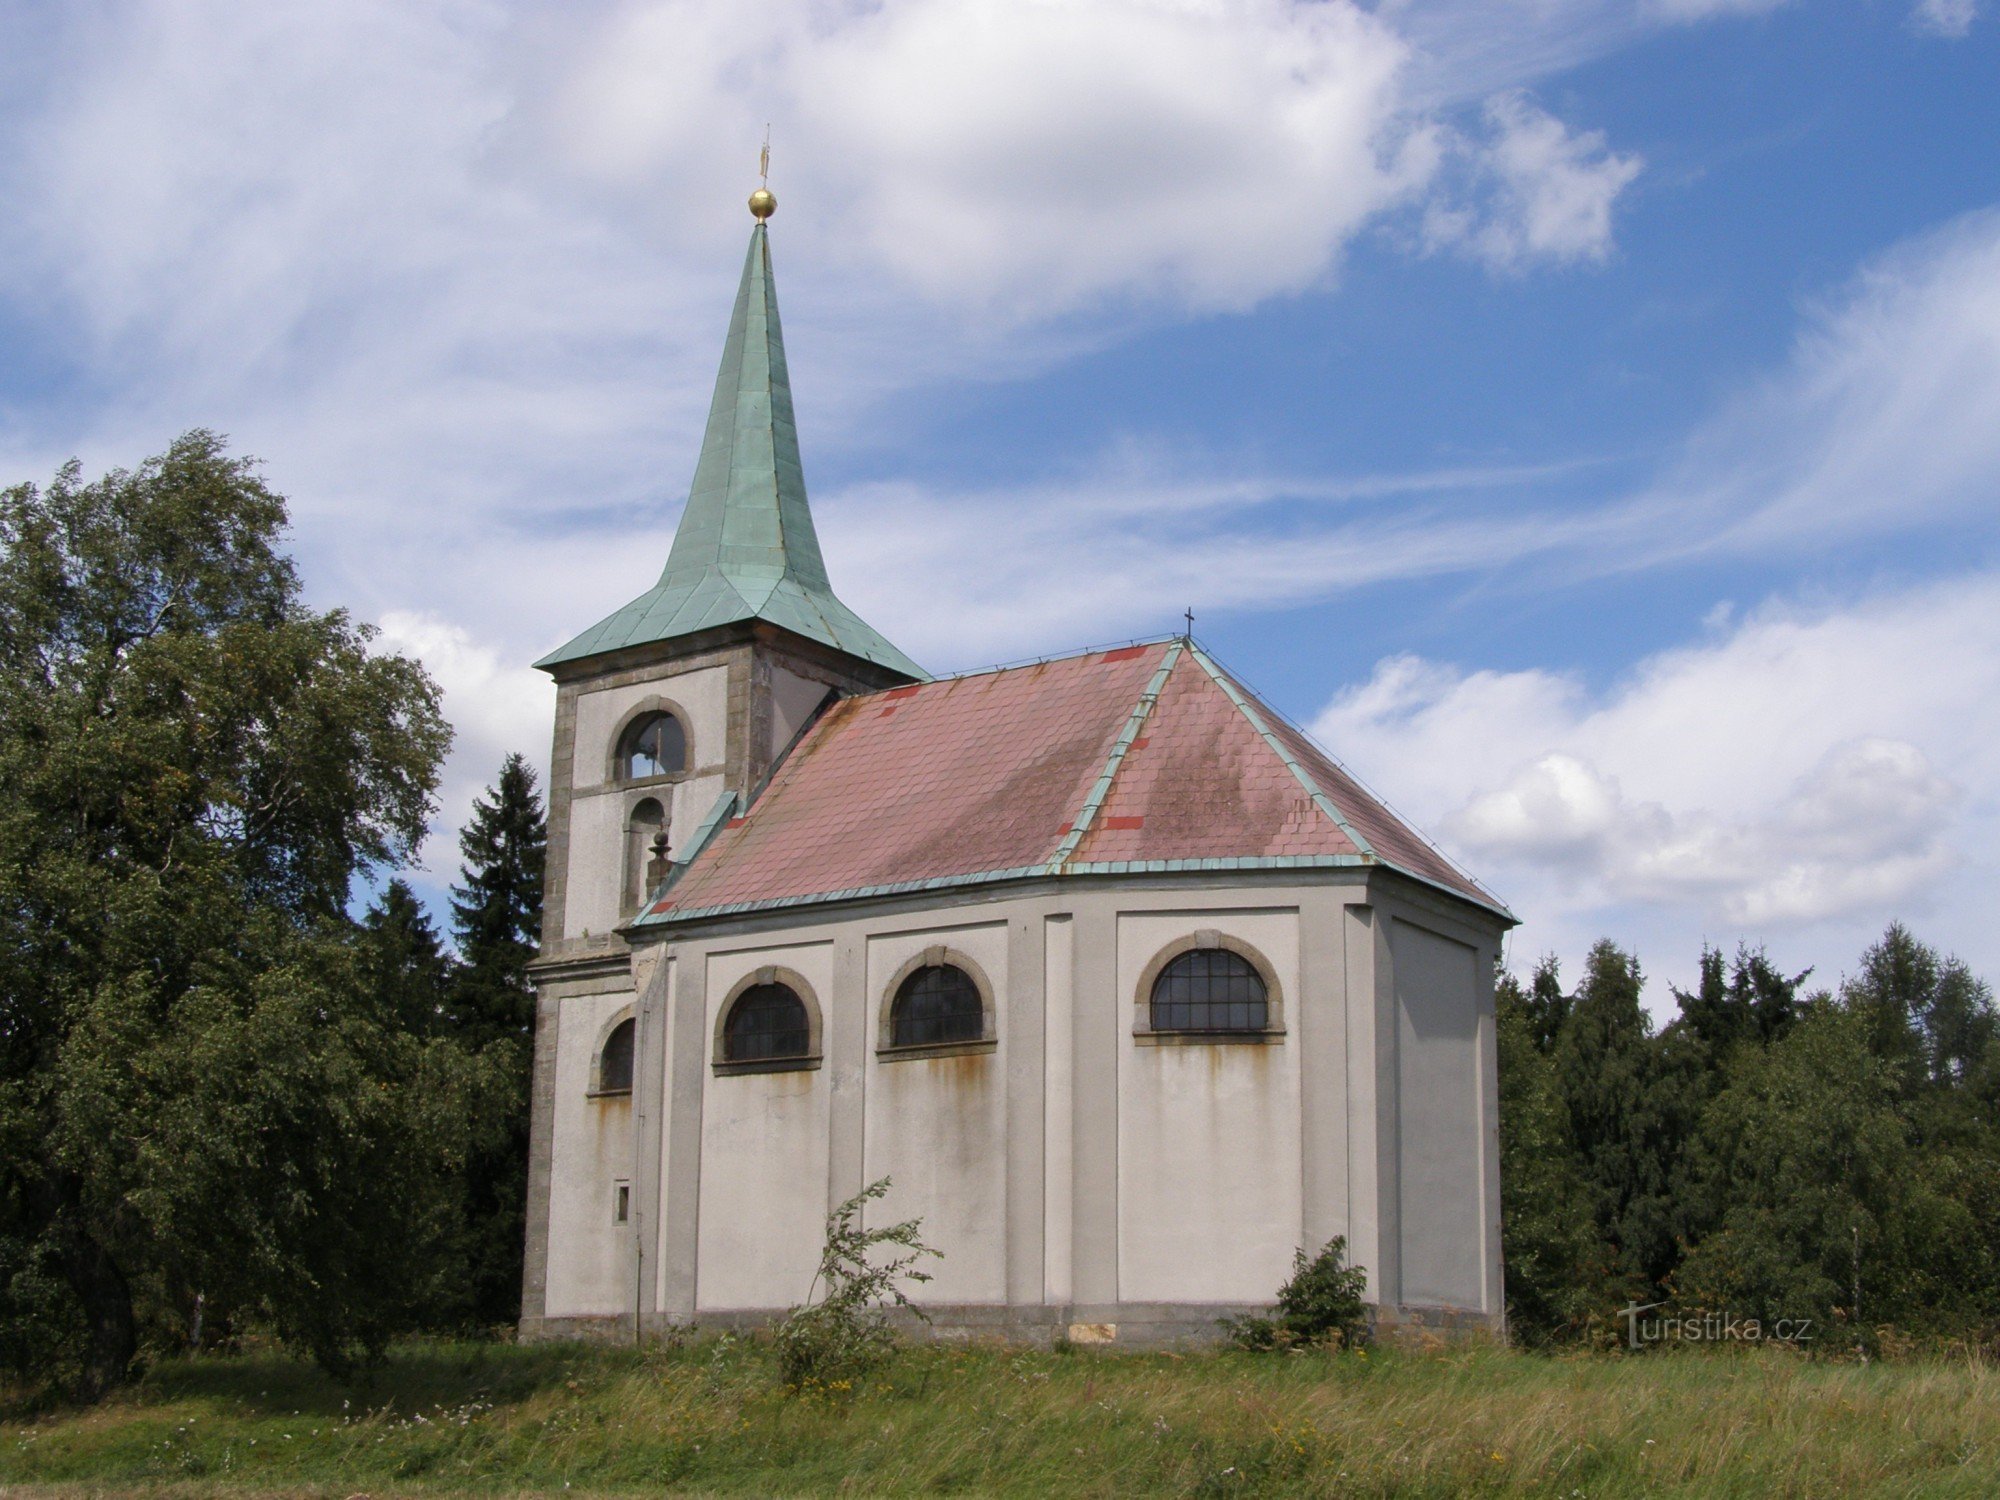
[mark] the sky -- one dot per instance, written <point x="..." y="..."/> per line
<point x="1584" y="416"/>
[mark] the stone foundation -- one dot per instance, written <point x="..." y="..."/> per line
<point x="1135" y="1326"/>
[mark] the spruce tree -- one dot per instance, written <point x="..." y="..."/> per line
<point x="1556" y="1285"/>
<point x="1627" y="1111"/>
<point x="405" y="962"/>
<point x="497" y="912"/>
<point x="497" y="917"/>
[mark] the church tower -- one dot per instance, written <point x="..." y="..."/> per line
<point x="694" y="689"/>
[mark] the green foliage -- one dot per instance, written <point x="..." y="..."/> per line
<point x="404" y="964"/>
<point x="1324" y="1305"/>
<point x="497" y="917"/>
<point x="1926" y="1014"/>
<point x="208" y="1109"/>
<point x="1769" y="1154"/>
<point x="1559" y="1278"/>
<point x="497" y="908"/>
<point x="845" y="1334"/>
<point x="1801" y="1151"/>
<point x="1751" y="1002"/>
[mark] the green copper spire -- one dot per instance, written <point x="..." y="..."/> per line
<point x="746" y="549"/>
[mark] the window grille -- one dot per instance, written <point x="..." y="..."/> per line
<point x="939" y="1003"/>
<point x="767" y="1022"/>
<point x="654" y="745"/>
<point x="1210" y="989"/>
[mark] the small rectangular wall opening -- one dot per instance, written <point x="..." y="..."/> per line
<point x="621" y="1203"/>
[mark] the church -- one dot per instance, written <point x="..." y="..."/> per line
<point x="1126" y="985"/>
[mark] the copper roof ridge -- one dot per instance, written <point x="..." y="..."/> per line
<point x="1225" y="676"/>
<point x="1247" y="704"/>
<point x="1149" y="698"/>
<point x="1026" y="661"/>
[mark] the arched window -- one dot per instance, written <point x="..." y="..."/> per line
<point x="768" y="1022"/>
<point x="647" y="823"/>
<point x="937" y="1004"/>
<point x="653" y="744"/>
<point x="614" y="1063"/>
<point x="1210" y="989"/>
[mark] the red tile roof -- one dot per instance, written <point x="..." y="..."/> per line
<point x="1147" y="755"/>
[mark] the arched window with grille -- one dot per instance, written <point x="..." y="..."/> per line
<point x="1210" y="991"/>
<point x="767" y="1023"/>
<point x="654" y="744"/>
<point x="937" y="1005"/>
<point x="614" y="1060"/>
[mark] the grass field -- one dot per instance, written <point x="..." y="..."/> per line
<point x="709" y="1418"/>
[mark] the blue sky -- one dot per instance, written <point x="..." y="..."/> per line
<point x="1584" y="415"/>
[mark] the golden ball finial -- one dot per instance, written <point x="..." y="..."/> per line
<point x="762" y="204"/>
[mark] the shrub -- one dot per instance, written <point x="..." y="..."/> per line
<point x="1322" y="1305"/>
<point x="845" y="1334"/>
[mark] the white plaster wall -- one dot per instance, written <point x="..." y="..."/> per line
<point x="937" y="1126"/>
<point x="597" y="824"/>
<point x="1168" y="1174"/>
<point x="1441" y="1174"/>
<point x="596" y="864"/>
<point x="702" y="693"/>
<point x="764" y="1139"/>
<point x="590" y="1257"/>
<point x="792" y="698"/>
<point x="599" y="808"/>
<point x="1058" y="1107"/>
<point x="1209" y="1206"/>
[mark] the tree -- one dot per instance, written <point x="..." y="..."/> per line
<point x="497" y="916"/>
<point x="404" y="961"/>
<point x="497" y="911"/>
<point x="1754" y="1002"/>
<point x="842" y="1333"/>
<point x="1815" y="1186"/>
<point x="1558" y="1269"/>
<point x="1626" y="1123"/>
<point x="1543" y="1007"/>
<point x="199" y="1101"/>
<point x="1927" y="1014"/>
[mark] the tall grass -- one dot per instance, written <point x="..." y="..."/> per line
<point x="710" y="1418"/>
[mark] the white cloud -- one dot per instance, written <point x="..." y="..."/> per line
<point x="1859" y="832"/>
<point x="1704" y="10"/>
<point x="1888" y="414"/>
<point x="1885" y="420"/>
<point x="1542" y="192"/>
<point x="460" y="269"/>
<point x="494" y="707"/>
<point x="1948" y="18"/>
<point x="1123" y="546"/>
<point x="1811" y="771"/>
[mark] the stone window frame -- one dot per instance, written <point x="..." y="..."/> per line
<point x="657" y="790"/>
<point x="597" y="1089"/>
<point x="797" y="983"/>
<point x="937" y="953"/>
<point x="1208" y="938"/>
<point x="614" y="768"/>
